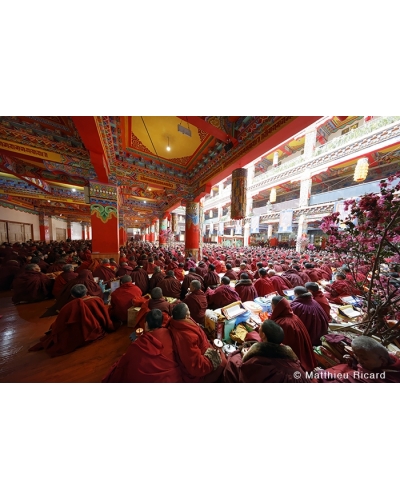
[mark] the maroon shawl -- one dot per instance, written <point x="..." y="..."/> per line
<point x="222" y="296"/>
<point x="31" y="286"/>
<point x="312" y="315"/>
<point x="170" y="287"/>
<point x="80" y="322"/>
<point x="150" y="358"/>
<point x="141" y="279"/>
<point x="296" y="334"/>
<point x="246" y="290"/>
<point x="197" y="304"/>
<point x="122" y="299"/>
<point x="84" y="278"/>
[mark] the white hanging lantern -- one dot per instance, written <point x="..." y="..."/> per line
<point x="276" y="159"/>
<point x="272" y="195"/>
<point x="361" y="170"/>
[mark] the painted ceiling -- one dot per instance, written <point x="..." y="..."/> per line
<point x="48" y="161"/>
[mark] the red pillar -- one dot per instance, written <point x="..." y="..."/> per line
<point x="104" y="220"/>
<point x="164" y="231"/>
<point x="44" y="229"/>
<point x="69" y="230"/>
<point x="122" y="236"/>
<point x="192" y="229"/>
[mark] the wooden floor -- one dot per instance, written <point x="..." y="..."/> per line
<point x="21" y="327"/>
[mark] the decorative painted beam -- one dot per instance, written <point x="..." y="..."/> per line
<point x="88" y="131"/>
<point x="198" y="122"/>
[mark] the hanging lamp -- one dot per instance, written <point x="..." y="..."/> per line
<point x="361" y="170"/>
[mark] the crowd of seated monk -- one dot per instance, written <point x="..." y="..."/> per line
<point x="174" y="346"/>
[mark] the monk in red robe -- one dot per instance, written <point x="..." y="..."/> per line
<point x="223" y="295"/>
<point x="150" y="265"/>
<point x="311" y="272"/>
<point x="263" y="285"/>
<point x="8" y="271"/>
<point x="158" y="301"/>
<point x="319" y="297"/>
<point x="267" y="361"/>
<point x="211" y="278"/>
<point x="293" y="276"/>
<point x="123" y="269"/>
<point x="230" y="273"/>
<point x="141" y="279"/>
<point x="245" y="288"/>
<point x="192" y="275"/>
<point x="179" y="272"/>
<point x="123" y="298"/>
<point x="84" y="278"/>
<point x="339" y="288"/>
<point x="198" y="361"/>
<point x="374" y="364"/>
<point x="201" y="269"/>
<point x="31" y="285"/>
<point x="280" y="283"/>
<point x="62" y="279"/>
<point x="311" y="314"/>
<point x="296" y="334"/>
<point x="158" y="275"/>
<point x="170" y="286"/>
<point x="150" y="358"/>
<point x="80" y="322"/>
<point x="196" y="301"/>
<point x="104" y="272"/>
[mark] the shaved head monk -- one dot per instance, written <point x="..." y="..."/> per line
<point x="222" y="295"/>
<point x="150" y="358"/>
<point x="158" y="301"/>
<point x="104" y="272"/>
<point x="170" y="286"/>
<point x="31" y="285"/>
<point x="198" y="360"/>
<point x="374" y="364"/>
<point x="123" y="298"/>
<point x="266" y="361"/>
<point x="80" y="322"/>
<point x="196" y="301"/>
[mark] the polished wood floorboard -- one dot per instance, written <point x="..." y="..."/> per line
<point x="21" y="327"/>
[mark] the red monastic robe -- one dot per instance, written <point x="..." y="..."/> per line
<point x="122" y="299"/>
<point x="312" y="315"/>
<point x="296" y="334"/>
<point x="61" y="280"/>
<point x="221" y="296"/>
<point x="190" y="344"/>
<point x="80" y="322"/>
<point x="149" y="359"/>
<point x="197" y="304"/>
<point x="105" y="273"/>
<point x="265" y="363"/>
<point x="264" y="286"/>
<point x="345" y="374"/>
<point x="170" y="287"/>
<point x="31" y="286"/>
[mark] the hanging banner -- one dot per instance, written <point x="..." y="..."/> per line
<point x="204" y="229"/>
<point x="285" y="221"/>
<point x="255" y="224"/>
<point x="211" y="228"/>
<point x="238" y="227"/>
<point x="221" y="229"/>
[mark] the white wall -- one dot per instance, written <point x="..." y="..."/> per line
<point x="76" y="231"/>
<point x="12" y="215"/>
<point x="55" y="223"/>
